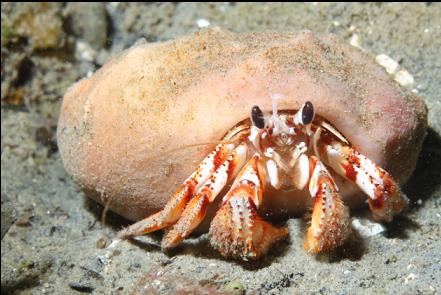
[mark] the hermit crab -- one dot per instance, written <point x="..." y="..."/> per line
<point x="287" y="151"/>
<point x="326" y="118"/>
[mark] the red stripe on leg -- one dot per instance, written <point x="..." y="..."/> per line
<point x="192" y="216"/>
<point x="177" y="203"/>
<point x="385" y="196"/>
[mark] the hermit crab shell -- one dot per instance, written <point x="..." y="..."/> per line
<point x="134" y="130"/>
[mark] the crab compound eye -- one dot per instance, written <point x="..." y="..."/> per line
<point x="307" y="113"/>
<point x="257" y="117"/>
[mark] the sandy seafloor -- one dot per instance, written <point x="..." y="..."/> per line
<point x="54" y="240"/>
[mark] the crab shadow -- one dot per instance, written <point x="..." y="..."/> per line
<point x="426" y="179"/>
<point x="353" y="250"/>
<point x="422" y="186"/>
<point x="111" y="219"/>
<point x="199" y="247"/>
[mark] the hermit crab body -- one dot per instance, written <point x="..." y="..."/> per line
<point x="288" y="151"/>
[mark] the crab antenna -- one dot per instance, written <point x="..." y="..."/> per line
<point x="279" y="126"/>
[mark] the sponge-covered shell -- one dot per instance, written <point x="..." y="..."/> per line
<point x="122" y="131"/>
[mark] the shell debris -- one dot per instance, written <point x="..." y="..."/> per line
<point x="355" y="41"/>
<point x="367" y="228"/>
<point x="402" y="76"/>
<point x="390" y="65"/>
<point x="203" y="23"/>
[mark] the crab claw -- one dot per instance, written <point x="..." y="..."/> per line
<point x="330" y="224"/>
<point x="237" y="230"/>
<point x="389" y="200"/>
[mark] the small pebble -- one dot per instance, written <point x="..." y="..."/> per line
<point x="203" y="23"/>
<point x="409" y="278"/>
<point x="81" y="287"/>
<point x="85" y="52"/>
<point x="205" y="282"/>
<point x="367" y="228"/>
<point x="24" y="219"/>
<point x="43" y="135"/>
<point x="390" y="65"/>
<point x="355" y="41"/>
<point x="404" y="78"/>
<point x="392" y="259"/>
<point x="234" y="287"/>
<point x="101" y="243"/>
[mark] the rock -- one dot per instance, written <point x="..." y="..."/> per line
<point x="367" y="228"/>
<point x="122" y="132"/>
<point x="80" y="287"/>
<point x="234" y="287"/>
<point x="41" y="23"/>
<point x="88" y="21"/>
<point x="23" y="273"/>
<point x="8" y="213"/>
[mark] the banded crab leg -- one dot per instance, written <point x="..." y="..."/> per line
<point x="330" y="224"/>
<point x="177" y="203"/>
<point x="385" y="196"/>
<point x="237" y="230"/>
<point x="195" y="210"/>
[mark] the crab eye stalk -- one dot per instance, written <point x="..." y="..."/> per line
<point x="307" y="113"/>
<point x="257" y="117"/>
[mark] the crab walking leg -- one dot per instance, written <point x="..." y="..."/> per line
<point x="330" y="224"/>
<point x="174" y="207"/>
<point x="195" y="210"/>
<point x="237" y="230"/>
<point x="385" y="196"/>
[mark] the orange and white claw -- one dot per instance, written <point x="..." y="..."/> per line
<point x="177" y="203"/>
<point x="237" y="230"/>
<point x="389" y="201"/>
<point x="195" y="211"/>
<point x="385" y="196"/>
<point x="330" y="222"/>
